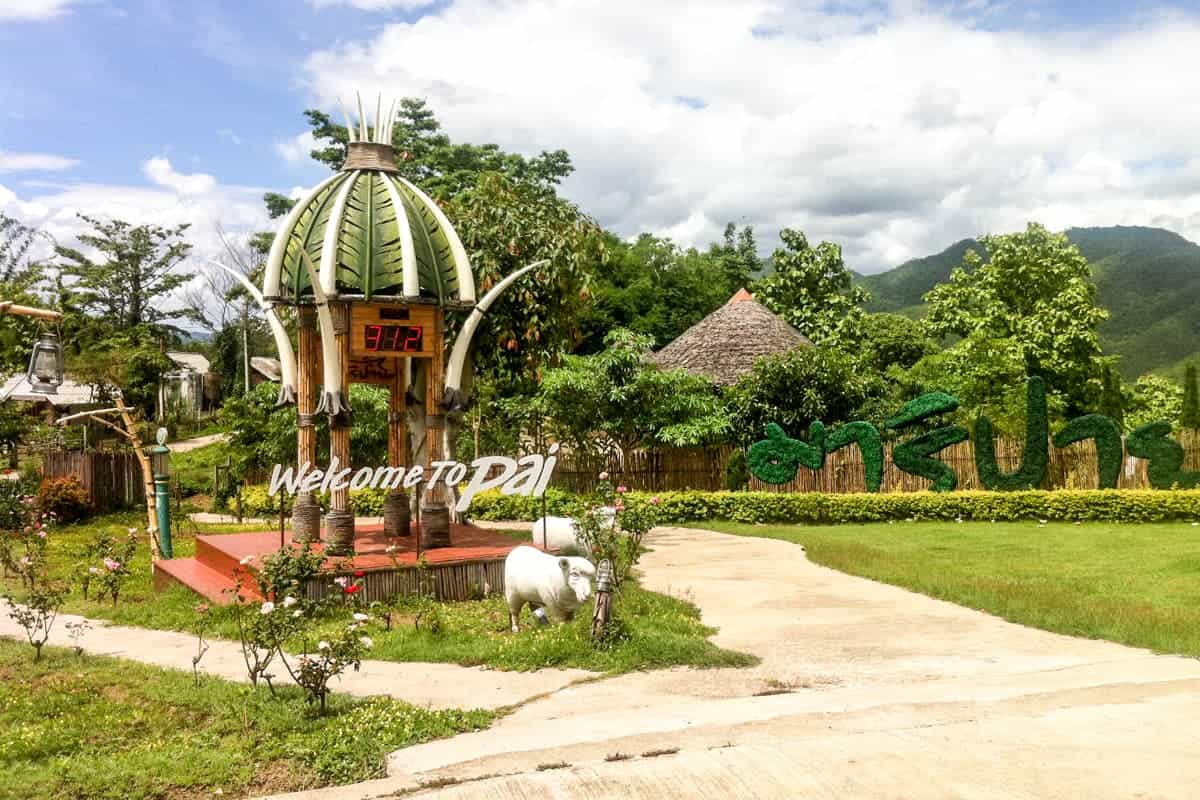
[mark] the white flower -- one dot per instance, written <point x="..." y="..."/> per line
<point x="297" y="613"/>
<point x="958" y="519"/>
<point x="360" y="617"/>
<point x="1041" y="522"/>
<point x="132" y="531"/>
<point x="341" y="581"/>
<point x="366" y="641"/>
<point x="289" y="601"/>
<point x="322" y="645"/>
<point x="246" y="560"/>
<point x="267" y="608"/>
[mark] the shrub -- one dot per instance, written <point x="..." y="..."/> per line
<point x="1099" y="505"/>
<point x="65" y="498"/>
<point x="737" y="471"/>
<point x="365" y="502"/>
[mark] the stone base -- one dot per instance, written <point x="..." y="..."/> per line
<point x="306" y="519"/>
<point x="339" y="533"/>
<point x="397" y="517"/>
<point x="435" y="526"/>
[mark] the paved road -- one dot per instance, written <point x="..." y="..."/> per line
<point x="864" y="691"/>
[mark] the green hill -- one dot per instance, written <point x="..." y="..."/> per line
<point x="1148" y="279"/>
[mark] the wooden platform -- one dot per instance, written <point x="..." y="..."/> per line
<point x="472" y="566"/>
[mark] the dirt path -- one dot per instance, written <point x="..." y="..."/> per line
<point x="864" y="690"/>
<point x="185" y="445"/>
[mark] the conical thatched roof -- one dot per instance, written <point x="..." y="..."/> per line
<point x="724" y="345"/>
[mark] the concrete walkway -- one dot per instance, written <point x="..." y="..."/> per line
<point x="428" y="685"/>
<point x="864" y="690"/>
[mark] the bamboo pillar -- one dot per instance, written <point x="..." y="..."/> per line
<point x="435" y="516"/>
<point x="339" y="522"/>
<point x="306" y="512"/>
<point x="397" y="519"/>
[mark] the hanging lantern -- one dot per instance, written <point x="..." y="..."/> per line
<point x="46" y="365"/>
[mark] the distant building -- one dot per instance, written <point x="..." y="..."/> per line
<point x="264" y="370"/>
<point x="70" y="397"/>
<point x="724" y="345"/>
<point x="182" y="391"/>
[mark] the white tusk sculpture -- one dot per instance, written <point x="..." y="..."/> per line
<point x="333" y="398"/>
<point x="283" y="342"/>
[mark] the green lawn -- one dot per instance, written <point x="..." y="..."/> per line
<point x="1129" y="583"/>
<point x="661" y="631"/>
<point x="96" y="727"/>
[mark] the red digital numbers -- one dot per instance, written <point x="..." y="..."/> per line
<point x="394" y="338"/>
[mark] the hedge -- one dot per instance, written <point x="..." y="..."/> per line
<point x="1099" y="505"/>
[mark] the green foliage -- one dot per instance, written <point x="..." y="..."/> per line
<point x="1035" y="293"/>
<point x="866" y="436"/>
<point x="914" y="456"/>
<point x="921" y="408"/>
<point x="776" y="458"/>
<point x="1034" y="459"/>
<point x="1107" y="505"/>
<point x="737" y="471"/>
<point x="1109" y="448"/>
<point x="65" y="498"/>
<point x="1165" y="455"/>
<point x="1189" y="416"/>
<point x="364" y="502"/>
<point x="1155" y="399"/>
<point x="130" y="361"/>
<point x="633" y="404"/>
<point x="619" y="539"/>
<point x="559" y="503"/>
<point x="20" y="280"/>
<point x="795" y="389"/>
<point x="811" y="289"/>
<point x="889" y="340"/>
<point x="1112" y="399"/>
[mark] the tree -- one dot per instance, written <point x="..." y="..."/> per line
<point x="126" y="363"/>
<point x="131" y="288"/>
<point x="1112" y="398"/>
<point x="892" y="340"/>
<point x="1155" y="399"/>
<point x="1189" y="417"/>
<point x="613" y="399"/>
<point x="21" y="276"/>
<point x="737" y="256"/>
<point x="1035" y="293"/>
<point x="811" y="289"/>
<point x="797" y="388"/>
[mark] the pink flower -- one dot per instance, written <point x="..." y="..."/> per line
<point x="619" y="506"/>
<point x="656" y="500"/>
<point x="621" y="490"/>
<point x="112" y="565"/>
<point x="341" y="581"/>
<point x="352" y="589"/>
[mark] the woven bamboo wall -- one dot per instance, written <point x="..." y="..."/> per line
<point x="112" y="480"/>
<point x="464" y="581"/>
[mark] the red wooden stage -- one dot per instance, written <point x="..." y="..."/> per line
<point x="473" y="565"/>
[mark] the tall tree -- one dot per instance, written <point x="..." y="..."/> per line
<point x="811" y="289"/>
<point x="1035" y="294"/>
<point x="737" y="254"/>
<point x="130" y="288"/>
<point x="21" y="278"/>
<point x="1189" y="417"/>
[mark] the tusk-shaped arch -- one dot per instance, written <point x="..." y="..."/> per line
<point x="283" y="342"/>
<point x="333" y="398"/>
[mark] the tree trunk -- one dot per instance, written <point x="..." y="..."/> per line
<point x="147" y="475"/>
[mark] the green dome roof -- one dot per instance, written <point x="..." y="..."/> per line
<point x="373" y="236"/>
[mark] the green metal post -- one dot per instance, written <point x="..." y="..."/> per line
<point x="162" y="492"/>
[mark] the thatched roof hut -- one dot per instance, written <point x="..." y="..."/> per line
<point x="724" y="345"/>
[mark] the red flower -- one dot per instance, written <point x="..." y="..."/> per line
<point x="352" y="589"/>
<point x="359" y="574"/>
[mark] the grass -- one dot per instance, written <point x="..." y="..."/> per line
<point x="97" y="727"/>
<point x="659" y="631"/>
<point x="194" y="469"/>
<point x="1134" y="584"/>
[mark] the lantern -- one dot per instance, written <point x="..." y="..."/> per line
<point x="46" y="365"/>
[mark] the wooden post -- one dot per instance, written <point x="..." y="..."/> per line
<point x="396" y="513"/>
<point x="306" y="512"/>
<point x="435" y="530"/>
<point x="339" y="522"/>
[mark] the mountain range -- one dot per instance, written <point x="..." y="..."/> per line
<point x="1147" y="278"/>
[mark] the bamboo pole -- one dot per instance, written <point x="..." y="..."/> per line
<point x="9" y="307"/>
<point x="339" y="522"/>
<point x="306" y="513"/>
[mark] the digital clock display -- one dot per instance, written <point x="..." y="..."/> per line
<point x="394" y="338"/>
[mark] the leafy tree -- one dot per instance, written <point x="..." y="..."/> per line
<point x="1155" y="399"/>
<point x="614" y="399"/>
<point x="131" y="286"/>
<point x="797" y="388"/>
<point x="893" y="340"/>
<point x="1035" y="293"/>
<point x="20" y="278"/>
<point x="1112" y="398"/>
<point x="652" y="287"/>
<point x="131" y="362"/>
<point x="1189" y="417"/>
<point x="811" y="289"/>
<point x="737" y="256"/>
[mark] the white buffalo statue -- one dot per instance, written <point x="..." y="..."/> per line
<point x="558" y="584"/>
<point x="560" y="534"/>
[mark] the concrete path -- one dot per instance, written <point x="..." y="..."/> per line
<point x="864" y="690"/>
<point x="430" y="685"/>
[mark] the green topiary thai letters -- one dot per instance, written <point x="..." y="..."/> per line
<point x="1036" y="456"/>
<point x="1165" y="455"/>
<point x="775" y="459"/>
<point x="914" y="456"/>
<point x="1106" y="434"/>
<point x="866" y="436"/>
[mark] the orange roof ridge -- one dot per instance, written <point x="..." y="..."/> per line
<point x="741" y="296"/>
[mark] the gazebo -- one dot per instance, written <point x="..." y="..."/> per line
<point x="724" y="345"/>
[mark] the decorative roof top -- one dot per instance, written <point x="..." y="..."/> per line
<point x="724" y="345"/>
<point x="267" y="367"/>
<point x="193" y="361"/>
<point x="372" y="234"/>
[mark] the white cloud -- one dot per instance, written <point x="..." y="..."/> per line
<point x="33" y="162"/>
<point x="160" y="171"/>
<point x="893" y="132"/>
<point x="296" y="150"/>
<point x="33" y="9"/>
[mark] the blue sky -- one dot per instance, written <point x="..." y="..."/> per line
<point x="893" y="127"/>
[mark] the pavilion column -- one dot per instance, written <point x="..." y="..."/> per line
<point x="435" y="514"/>
<point x="306" y="512"/>
<point x="397" y="518"/>
<point x="339" y="522"/>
